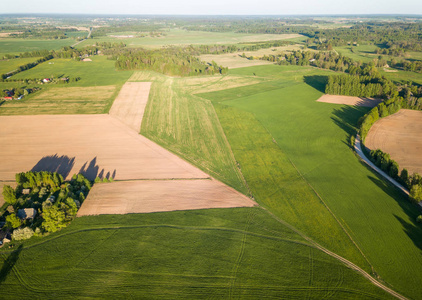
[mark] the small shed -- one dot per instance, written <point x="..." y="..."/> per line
<point x="26" y="191"/>
<point x="27" y="213"/>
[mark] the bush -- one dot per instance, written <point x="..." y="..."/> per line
<point x="416" y="193"/>
<point x="419" y="219"/>
<point x="22" y="234"/>
<point x="12" y="221"/>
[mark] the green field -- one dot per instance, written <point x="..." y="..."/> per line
<point x="313" y="138"/>
<point x="202" y="141"/>
<point x="364" y="53"/>
<point x="184" y="37"/>
<point x="100" y="71"/>
<point x="66" y="98"/>
<point x="10" y="65"/>
<point x="220" y="253"/>
<point x="9" y="45"/>
<point x="403" y="76"/>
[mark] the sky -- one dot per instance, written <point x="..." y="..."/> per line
<point x="214" y="7"/>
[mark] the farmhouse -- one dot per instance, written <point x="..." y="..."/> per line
<point x="8" y="98"/>
<point x="46" y="80"/>
<point x="26" y="213"/>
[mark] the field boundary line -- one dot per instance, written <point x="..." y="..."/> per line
<point x="335" y="217"/>
<point x="338" y="257"/>
<point x="320" y="198"/>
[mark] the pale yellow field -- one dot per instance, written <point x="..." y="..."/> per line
<point x="129" y="106"/>
<point x="63" y="100"/>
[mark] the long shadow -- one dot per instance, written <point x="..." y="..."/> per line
<point x="64" y="164"/>
<point x="347" y="118"/>
<point x="9" y="263"/>
<point x="91" y="171"/>
<point x="318" y="82"/>
<point x="54" y="163"/>
<point x="1" y="102"/>
<point x="413" y="231"/>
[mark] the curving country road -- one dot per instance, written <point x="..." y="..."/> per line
<point x="358" y="149"/>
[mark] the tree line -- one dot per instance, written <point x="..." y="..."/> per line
<point x="391" y="167"/>
<point x="170" y="61"/>
<point x="373" y="85"/>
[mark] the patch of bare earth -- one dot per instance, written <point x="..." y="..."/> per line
<point x="399" y="135"/>
<point x="349" y="100"/>
<point x="123" y="197"/>
<point x="148" y="177"/>
<point x="129" y="106"/>
<point x="88" y="143"/>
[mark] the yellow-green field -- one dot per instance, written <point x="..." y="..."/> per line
<point x="63" y="100"/>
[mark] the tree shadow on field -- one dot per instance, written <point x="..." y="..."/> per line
<point x="91" y="171"/>
<point x="413" y="230"/>
<point x="64" y="164"/>
<point x="54" y="163"/>
<point x="1" y="102"/>
<point x="9" y="263"/>
<point x="318" y="82"/>
<point x="347" y="118"/>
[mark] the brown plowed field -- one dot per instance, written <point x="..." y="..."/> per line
<point x="129" y="105"/>
<point x="100" y="145"/>
<point x="349" y="100"/>
<point x="123" y="197"/>
<point x="400" y="135"/>
<point x="91" y="143"/>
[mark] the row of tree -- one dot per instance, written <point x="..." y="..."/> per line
<point x="391" y="167"/>
<point x="361" y="86"/>
<point x="171" y="61"/>
<point x="25" y="67"/>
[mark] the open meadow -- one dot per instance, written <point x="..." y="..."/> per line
<point x="94" y="92"/>
<point x="223" y="253"/>
<point x="16" y="46"/>
<point x="10" y="65"/>
<point x="312" y="139"/>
